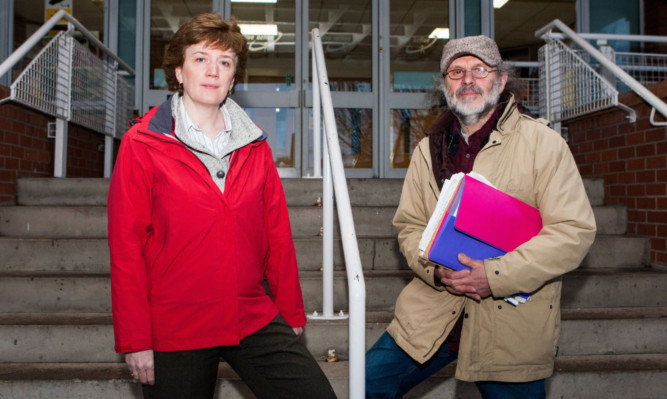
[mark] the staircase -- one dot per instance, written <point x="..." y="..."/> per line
<point x="56" y="336"/>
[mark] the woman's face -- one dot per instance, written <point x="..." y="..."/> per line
<point x="207" y="74"/>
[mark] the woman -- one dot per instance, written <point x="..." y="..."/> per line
<point x="197" y="220"/>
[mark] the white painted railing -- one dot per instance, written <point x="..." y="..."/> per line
<point x="566" y="95"/>
<point x="334" y="183"/>
<point x="67" y="81"/>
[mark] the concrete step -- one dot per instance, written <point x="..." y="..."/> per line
<point x="91" y="221"/>
<point x="609" y="377"/>
<point x="302" y="192"/>
<point x="90" y="292"/>
<point x="377" y="253"/>
<point x="81" y="337"/>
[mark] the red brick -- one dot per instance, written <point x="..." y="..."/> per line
<point x="12" y="138"/>
<point x="662" y="230"/>
<point x="658" y="244"/>
<point x="662" y="203"/>
<point x="617" y="141"/>
<point x="618" y="190"/>
<point x="609" y="155"/>
<point x="635" y="138"/>
<point x="661" y="175"/>
<point x="601" y="168"/>
<point x="636" y="164"/>
<point x="637" y="216"/>
<point x="659" y="162"/>
<point x="626" y="153"/>
<point x="594" y="134"/>
<point x="644" y="229"/>
<point x="646" y="176"/>
<point x="646" y="203"/>
<point x="625" y="128"/>
<point x="636" y="190"/>
<point x="657" y="216"/>
<point x="656" y="189"/>
<point x="646" y="150"/>
<point x="632" y="229"/>
<point x="661" y="148"/>
<point x="618" y="166"/>
<point x="660" y="258"/>
<point x="656" y="134"/>
<point x="626" y="178"/>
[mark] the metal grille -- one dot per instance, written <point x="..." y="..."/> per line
<point x="43" y="85"/>
<point x="124" y="104"/>
<point x="569" y="87"/>
<point x="90" y="91"/>
<point x="532" y="95"/>
<point x="68" y="81"/>
<point x="645" y="68"/>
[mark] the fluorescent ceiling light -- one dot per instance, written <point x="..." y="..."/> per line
<point x="259" y="29"/>
<point x="499" y="3"/>
<point x="439" y="33"/>
<point x="254" y="1"/>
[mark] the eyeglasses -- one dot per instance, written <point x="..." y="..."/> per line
<point x="477" y="73"/>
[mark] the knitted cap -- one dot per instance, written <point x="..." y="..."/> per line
<point x="480" y="46"/>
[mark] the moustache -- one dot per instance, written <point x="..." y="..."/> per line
<point x="475" y="90"/>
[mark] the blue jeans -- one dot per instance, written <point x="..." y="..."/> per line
<point x="391" y="373"/>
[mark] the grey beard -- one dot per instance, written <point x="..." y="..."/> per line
<point x="469" y="115"/>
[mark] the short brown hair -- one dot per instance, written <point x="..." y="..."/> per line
<point x="216" y="32"/>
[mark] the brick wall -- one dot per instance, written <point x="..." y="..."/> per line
<point x="25" y="149"/>
<point x="632" y="159"/>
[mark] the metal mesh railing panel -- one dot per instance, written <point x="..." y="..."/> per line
<point x="67" y="80"/>
<point x="43" y="84"/>
<point x="90" y="91"/>
<point x="124" y="105"/>
<point x="532" y="95"/>
<point x="573" y="87"/>
<point x="645" y="68"/>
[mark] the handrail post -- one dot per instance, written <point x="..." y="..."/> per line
<point x="317" y="121"/>
<point x="355" y="278"/>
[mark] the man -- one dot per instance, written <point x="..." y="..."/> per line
<point x="443" y="315"/>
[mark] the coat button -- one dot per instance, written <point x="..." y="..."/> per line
<point x="500" y="307"/>
<point x="220" y="174"/>
<point x="465" y="315"/>
<point x="497" y="272"/>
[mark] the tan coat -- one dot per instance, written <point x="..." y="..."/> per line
<point x="499" y="342"/>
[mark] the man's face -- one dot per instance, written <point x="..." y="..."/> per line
<point x="470" y="97"/>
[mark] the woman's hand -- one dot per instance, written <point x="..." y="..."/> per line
<point x="141" y="366"/>
<point x="298" y="330"/>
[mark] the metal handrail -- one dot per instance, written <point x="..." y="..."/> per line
<point x="619" y="73"/>
<point x="334" y="169"/>
<point x="36" y="37"/>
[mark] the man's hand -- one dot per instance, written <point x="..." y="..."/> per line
<point x="141" y="366"/>
<point x="297" y="330"/>
<point x="471" y="283"/>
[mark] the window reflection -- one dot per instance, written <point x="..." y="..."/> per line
<point x="408" y="127"/>
<point x="355" y="136"/>
<point x="166" y="17"/>
<point x="278" y="124"/>
<point x="271" y="62"/>
<point x="415" y="44"/>
<point x="345" y="27"/>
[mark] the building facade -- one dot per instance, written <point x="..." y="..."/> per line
<point x="382" y="58"/>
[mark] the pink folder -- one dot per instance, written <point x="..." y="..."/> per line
<point x="482" y="222"/>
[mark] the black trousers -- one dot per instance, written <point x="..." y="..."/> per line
<point x="273" y="362"/>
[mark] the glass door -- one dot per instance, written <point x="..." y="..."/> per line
<point x="271" y="90"/>
<point x="346" y="28"/>
<point x="413" y="38"/>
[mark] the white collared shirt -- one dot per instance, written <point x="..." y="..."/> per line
<point x="197" y="135"/>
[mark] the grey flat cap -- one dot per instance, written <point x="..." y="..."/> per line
<point x="480" y="46"/>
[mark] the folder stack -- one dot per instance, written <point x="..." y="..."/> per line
<point x="474" y="218"/>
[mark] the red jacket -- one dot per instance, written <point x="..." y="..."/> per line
<point x="188" y="261"/>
